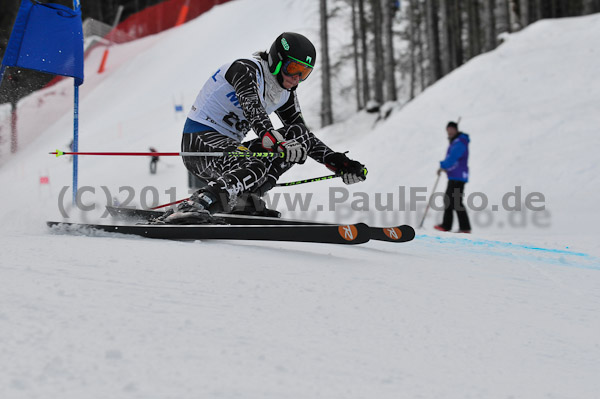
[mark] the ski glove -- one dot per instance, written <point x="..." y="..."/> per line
<point x="294" y="151"/>
<point x="351" y="171"/>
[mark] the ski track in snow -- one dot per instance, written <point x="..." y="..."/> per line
<point x="525" y="252"/>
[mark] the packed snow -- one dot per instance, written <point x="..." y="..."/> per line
<point x="510" y="311"/>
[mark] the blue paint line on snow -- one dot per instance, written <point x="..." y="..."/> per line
<point x="503" y="244"/>
<point x="562" y="257"/>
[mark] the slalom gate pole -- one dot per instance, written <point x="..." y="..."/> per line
<point x="429" y="202"/>
<point x="75" y="144"/>
<point x="287" y="184"/>
<point x="169" y="204"/>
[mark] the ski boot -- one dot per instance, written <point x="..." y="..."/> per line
<point x="198" y="209"/>
<point x="253" y="205"/>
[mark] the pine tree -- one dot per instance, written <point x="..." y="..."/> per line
<point x="326" y="110"/>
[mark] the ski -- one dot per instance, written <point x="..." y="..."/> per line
<point x="402" y="233"/>
<point x="315" y="233"/>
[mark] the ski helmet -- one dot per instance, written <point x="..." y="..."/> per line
<point x="292" y="54"/>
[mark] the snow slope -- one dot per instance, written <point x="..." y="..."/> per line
<point x="511" y="311"/>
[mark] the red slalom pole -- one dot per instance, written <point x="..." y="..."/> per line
<point x="102" y="66"/>
<point x="169" y="204"/>
<point x="239" y="154"/>
<point x="123" y="154"/>
<point x="183" y="12"/>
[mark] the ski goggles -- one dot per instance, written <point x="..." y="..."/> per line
<point x="294" y="67"/>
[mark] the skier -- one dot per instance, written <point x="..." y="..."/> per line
<point x="238" y="97"/>
<point x="153" y="161"/>
<point x="456" y="167"/>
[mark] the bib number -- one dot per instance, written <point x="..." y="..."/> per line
<point x="241" y="125"/>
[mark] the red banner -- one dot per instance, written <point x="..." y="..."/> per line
<point x="164" y="16"/>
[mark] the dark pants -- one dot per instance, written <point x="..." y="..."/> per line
<point x="453" y="202"/>
<point x="240" y="175"/>
<point x="153" y="162"/>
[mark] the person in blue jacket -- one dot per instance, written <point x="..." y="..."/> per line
<point x="456" y="167"/>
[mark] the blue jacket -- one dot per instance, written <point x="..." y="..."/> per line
<point x="457" y="158"/>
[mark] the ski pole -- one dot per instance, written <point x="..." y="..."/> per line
<point x="287" y="184"/>
<point x="429" y="202"/>
<point x="314" y="179"/>
<point x="239" y="154"/>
